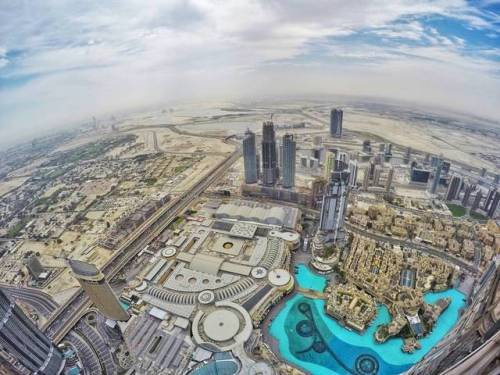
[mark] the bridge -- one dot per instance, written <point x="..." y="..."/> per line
<point x="312" y="293"/>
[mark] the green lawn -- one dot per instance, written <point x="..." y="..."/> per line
<point x="477" y="216"/>
<point x="456" y="210"/>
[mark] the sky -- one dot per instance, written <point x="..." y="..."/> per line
<point x="62" y="62"/>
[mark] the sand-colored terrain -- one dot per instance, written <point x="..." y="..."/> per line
<point x="10" y="184"/>
<point x="452" y="144"/>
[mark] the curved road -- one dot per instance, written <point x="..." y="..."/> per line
<point x="38" y="300"/>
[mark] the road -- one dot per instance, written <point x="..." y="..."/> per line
<point x="61" y="322"/>
<point x="418" y="246"/>
<point x="38" y="300"/>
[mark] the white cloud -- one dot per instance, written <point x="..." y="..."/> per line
<point x="103" y="56"/>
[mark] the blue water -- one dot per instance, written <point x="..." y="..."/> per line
<point x="309" y="280"/>
<point x="317" y="343"/>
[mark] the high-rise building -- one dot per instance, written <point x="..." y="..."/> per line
<point x="280" y="152"/>
<point x="477" y="201"/>
<point x="317" y="191"/>
<point x="388" y="182"/>
<point x="446" y="167"/>
<point x="453" y="188"/>
<point x="489" y="198"/>
<point x="407" y="157"/>
<point x="341" y="162"/>
<point x="344" y="157"/>
<point x="328" y="166"/>
<point x="388" y="153"/>
<point x="288" y="161"/>
<point x="97" y="288"/>
<point x="376" y="175"/>
<point x="437" y="176"/>
<point x="336" y="116"/>
<point x="494" y="205"/>
<point x="250" y="158"/>
<point x="334" y="205"/>
<point x="367" y="146"/>
<point x="497" y="179"/>
<point x="468" y="190"/>
<point x="366" y="179"/>
<point x="29" y="348"/>
<point x="257" y="158"/>
<point x="270" y="172"/>
<point x="483" y="172"/>
<point x="353" y="173"/>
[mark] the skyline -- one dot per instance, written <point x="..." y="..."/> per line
<point x="62" y="63"/>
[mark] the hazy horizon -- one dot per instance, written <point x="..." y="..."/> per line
<point x="63" y="62"/>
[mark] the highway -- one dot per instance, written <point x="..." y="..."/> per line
<point x="418" y="246"/>
<point x="65" y="317"/>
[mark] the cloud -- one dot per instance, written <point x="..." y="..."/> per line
<point x="63" y="62"/>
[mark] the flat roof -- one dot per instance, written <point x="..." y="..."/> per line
<point x="206" y="263"/>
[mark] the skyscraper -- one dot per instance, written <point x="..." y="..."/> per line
<point x="250" y="158"/>
<point x="328" y="166"/>
<point x="353" y="173"/>
<point x="288" y="161"/>
<point x="336" y="116"/>
<point x="376" y="175"/>
<point x="257" y="158"/>
<point x="453" y="188"/>
<point x="270" y="172"/>
<point x="25" y="343"/>
<point x="477" y="201"/>
<point x="388" y="183"/>
<point x="494" y="205"/>
<point x="334" y="205"/>
<point x="344" y="157"/>
<point x="468" y="190"/>
<point x="388" y="153"/>
<point x="97" y="288"/>
<point x="366" y="179"/>
<point x="367" y="147"/>
<point x="407" y="156"/>
<point x="489" y="198"/>
<point x="341" y="161"/>
<point x="437" y="176"/>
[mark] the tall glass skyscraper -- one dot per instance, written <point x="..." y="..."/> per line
<point x="25" y="343"/>
<point x="336" y="116"/>
<point x="288" y="161"/>
<point x="250" y="157"/>
<point x="270" y="172"/>
<point x="437" y="175"/>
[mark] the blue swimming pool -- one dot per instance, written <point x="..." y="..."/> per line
<point x="317" y="343"/>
